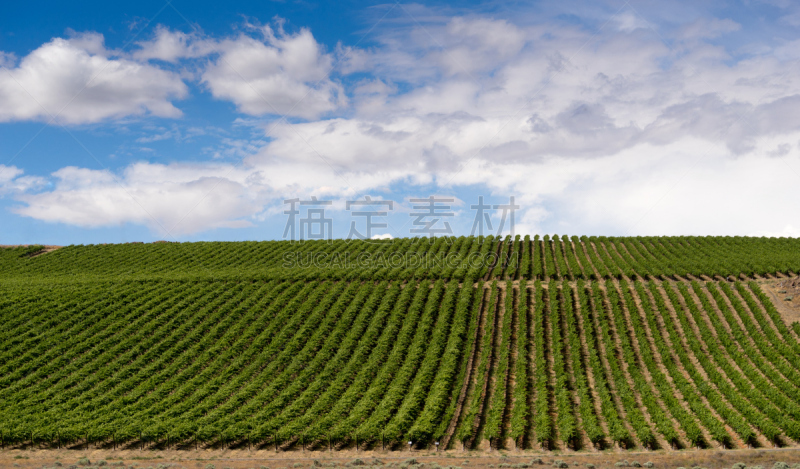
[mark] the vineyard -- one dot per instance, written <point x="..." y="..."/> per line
<point x="548" y="343"/>
<point x="559" y="257"/>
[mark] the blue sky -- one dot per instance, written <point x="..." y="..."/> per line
<point x="195" y="120"/>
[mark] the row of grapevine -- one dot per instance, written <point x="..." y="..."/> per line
<point x="553" y="364"/>
<point x="497" y="397"/>
<point x="566" y="423"/>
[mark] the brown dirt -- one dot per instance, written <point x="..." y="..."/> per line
<point x="47" y="248"/>
<point x="240" y="459"/>
<point x="790" y="288"/>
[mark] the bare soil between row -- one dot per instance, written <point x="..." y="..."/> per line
<point x="709" y="458"/>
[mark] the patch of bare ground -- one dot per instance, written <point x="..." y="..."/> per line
<point x="242" y="458"/>
<point x="660" y="363"/>
<point x="662" y="443"/>
<point x="47" y="248"/>
<point x="785" y="295"/>
<point x="760" y="438"/>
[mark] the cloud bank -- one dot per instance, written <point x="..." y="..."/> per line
<point x="621" y="130"/>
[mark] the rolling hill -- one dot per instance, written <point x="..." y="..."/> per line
<point x="556" y="342"/>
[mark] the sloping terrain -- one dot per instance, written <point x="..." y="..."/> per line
<point x="579" y="344"/>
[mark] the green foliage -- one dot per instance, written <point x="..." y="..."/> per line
<point x="221" y="343"/>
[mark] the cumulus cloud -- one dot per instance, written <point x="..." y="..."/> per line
<point x="170" y="199"/>
<point x="263" y="70"/>
<point x="171" y="46"/>
<point x="79" y="81"/>
<point x="7" y="59"/>
<point x="608" y="133"/>
<point x="283" y="74"/>
<point x="12" y="180"/>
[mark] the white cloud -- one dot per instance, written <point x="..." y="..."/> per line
<point x="171" y="46"/>
<point x="283" y="74"/>
<point x="170" y="199"/>
<point x="609" y="134"/>
<point x="12" y="180"/>
<point x="8" y="173"/>
<point x="788" y="231"/>
<point x="264" y="71"/>
<point x="76" y="81"/>
<point x="7" y="59"/>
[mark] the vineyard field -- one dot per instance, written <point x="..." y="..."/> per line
<point x="456" y="258"/>
<point x="553" y="343"/>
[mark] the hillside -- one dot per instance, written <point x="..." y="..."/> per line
<point x="554" y="343"/>
<point x="414" y="258"/>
